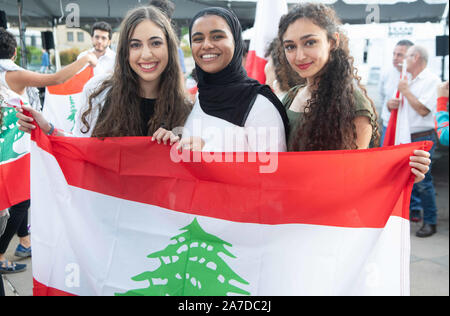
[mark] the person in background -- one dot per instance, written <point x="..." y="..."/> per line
<point x="168" y="8"/>
<point x="21" y="83"/>
<point x="389" y="83"/>
<point x="420" y="99"/>
<point x="442" y="113"/>
<point x="246" y="49"/>
<point x="4" y="215"/>
<point x="279" y="76"/>
<point x="101" y="35"/>
<point x="45" y="63"/>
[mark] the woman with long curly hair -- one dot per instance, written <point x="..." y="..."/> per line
<point x="145" y="91"/>
<point x="330" y="110"/>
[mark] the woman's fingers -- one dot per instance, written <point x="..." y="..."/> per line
<point x="174" y="139"/>
<point x="158" y="135"/>
<point x="420" y="164"/>
<point x="420" y="167"/>
<point x="184" y="144"/>
<point x="25" y="122"/>
<point x="419" y="176"/>
<point x="422" y="153"/>
<point x="166" y="137"/>
<point x="163" y="135"/>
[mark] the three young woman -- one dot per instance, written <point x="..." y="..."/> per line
<point x="331" y="111"/>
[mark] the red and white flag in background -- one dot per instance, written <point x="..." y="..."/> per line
<point x="398" y="131"/>
<point x="63" y="101"/>
<point x="14" y="153"/>
<point x="109" y="221"/>
<point x="265" y="30"/>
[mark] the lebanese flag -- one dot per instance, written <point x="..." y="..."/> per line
<point x="63" y="101"/>
<point x="268" y="15"/>
<point x="120" y="216"/>
<point x="14" y="161"/>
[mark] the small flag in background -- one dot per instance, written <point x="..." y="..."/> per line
<point x="63" y="101"/>
<point x="14" y="161"/>
<point x="268" y="15"/>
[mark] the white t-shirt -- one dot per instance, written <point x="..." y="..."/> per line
<point x="105" y="63"/>
<point x="424" y="88"/>
<point x="263" y="131"/>
<point x="388" y="88"/>
<point x="8" y="92"/>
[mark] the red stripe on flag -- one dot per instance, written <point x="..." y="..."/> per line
<point x="389" y="138"/>
<point x="73" y="85"/>
<point x="15" y="182"/>
<point x="40" y="289"/>
<point x="342" y="188"/>
<point x="255" y="67"/>
<point x="442" y="104"/>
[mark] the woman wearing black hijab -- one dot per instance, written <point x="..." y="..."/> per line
<point x="232" y="111"/>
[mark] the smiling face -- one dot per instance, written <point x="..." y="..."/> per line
<point x="100" y="41"/>
<point x="399" y="55"/>
<point x="212" y="43"/>
<point x="307" y="47"/>
<point x="148" y="53"/>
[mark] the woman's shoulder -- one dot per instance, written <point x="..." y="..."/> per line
<point x="290" y="95"/>
<point x="263" y="112"/>
<point x="362" y="103"/>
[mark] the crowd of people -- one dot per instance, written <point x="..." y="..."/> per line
<point x="313" y="99"/>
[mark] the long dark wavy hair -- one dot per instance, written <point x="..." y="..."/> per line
<point x="286" y="76"/>
<point x="327" y="123"/>
<point x="121" y="115"/>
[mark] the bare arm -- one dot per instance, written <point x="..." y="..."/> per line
<point x="416" y="105"/>
<point x="19" y="80"/>
<point x="412" y="100"/>
<point x="26" y="122"/>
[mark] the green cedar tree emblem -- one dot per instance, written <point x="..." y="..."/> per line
<point x="73" y="111"/>
<point x="190" y="266"/>
<point x="9" y="134"/>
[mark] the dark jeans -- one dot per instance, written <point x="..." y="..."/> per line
<point x="423" y="197"/>
<point x="17" y="223"/>
<point x="383" y="134"/>
<point x="2" y="288"/>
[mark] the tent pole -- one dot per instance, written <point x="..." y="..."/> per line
<point x="23" y="46"/>
<point x="57" y="57"/>
<point x="444" y="22"/>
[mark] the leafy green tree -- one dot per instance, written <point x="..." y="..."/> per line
<point x="190" y="266"/>
<point x="73" y="111"/>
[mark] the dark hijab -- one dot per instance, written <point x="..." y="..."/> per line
<point x="230" y="93"/>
